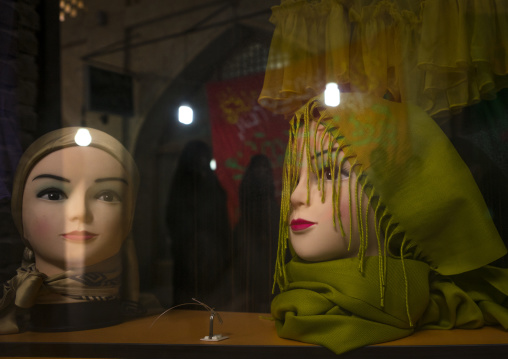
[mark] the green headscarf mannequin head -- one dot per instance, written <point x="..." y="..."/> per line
<point x="397" y="178"/>
<point x="408" y="222"/>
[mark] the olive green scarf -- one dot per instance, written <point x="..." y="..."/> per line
<point x="335" y="305"/>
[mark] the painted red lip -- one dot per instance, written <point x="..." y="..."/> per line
<point x="79" y="236"/>
<point x="300" y="224"/>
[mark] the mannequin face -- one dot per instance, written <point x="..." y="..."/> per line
<point x="76" y="206"/>
<point x="312" y="232"/>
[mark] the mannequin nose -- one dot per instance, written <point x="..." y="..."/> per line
<point x="299" y="195"/>
<point x="79" y="210"/>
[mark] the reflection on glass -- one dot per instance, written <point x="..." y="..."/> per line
<point x="332" y="94"/>
<point x="83" y="137"/>
<point x="185" y="115"/>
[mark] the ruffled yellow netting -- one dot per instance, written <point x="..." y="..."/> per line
<point x="441" y="55"/>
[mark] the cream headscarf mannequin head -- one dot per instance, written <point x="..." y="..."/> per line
<point x="63" y="139"/>
<point x="89" y="259"/>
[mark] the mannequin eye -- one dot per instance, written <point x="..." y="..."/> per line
<point x="108" y="196"/>
<point x="344" y="173"/>
<point x="328" y="173"/>
<point x="52" y="194"/>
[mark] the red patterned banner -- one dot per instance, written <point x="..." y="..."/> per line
<point x="241" y="128"/>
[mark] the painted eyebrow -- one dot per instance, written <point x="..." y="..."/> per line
<point x="58" y="178"/>
<point x="345" y="164"/>
<point x="324" y="152"/>
<point x="98" y="180"/>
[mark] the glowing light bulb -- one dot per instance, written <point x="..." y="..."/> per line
<point x="83" y="137"/>
<point x="213" y="164"/>
<point x="332" y="95"/>
<point x="185" y="115"/>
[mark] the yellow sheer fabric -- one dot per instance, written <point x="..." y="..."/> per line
<point x="439" y="54"/>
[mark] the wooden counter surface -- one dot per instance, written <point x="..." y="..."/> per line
<point x="177" y="334"/>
